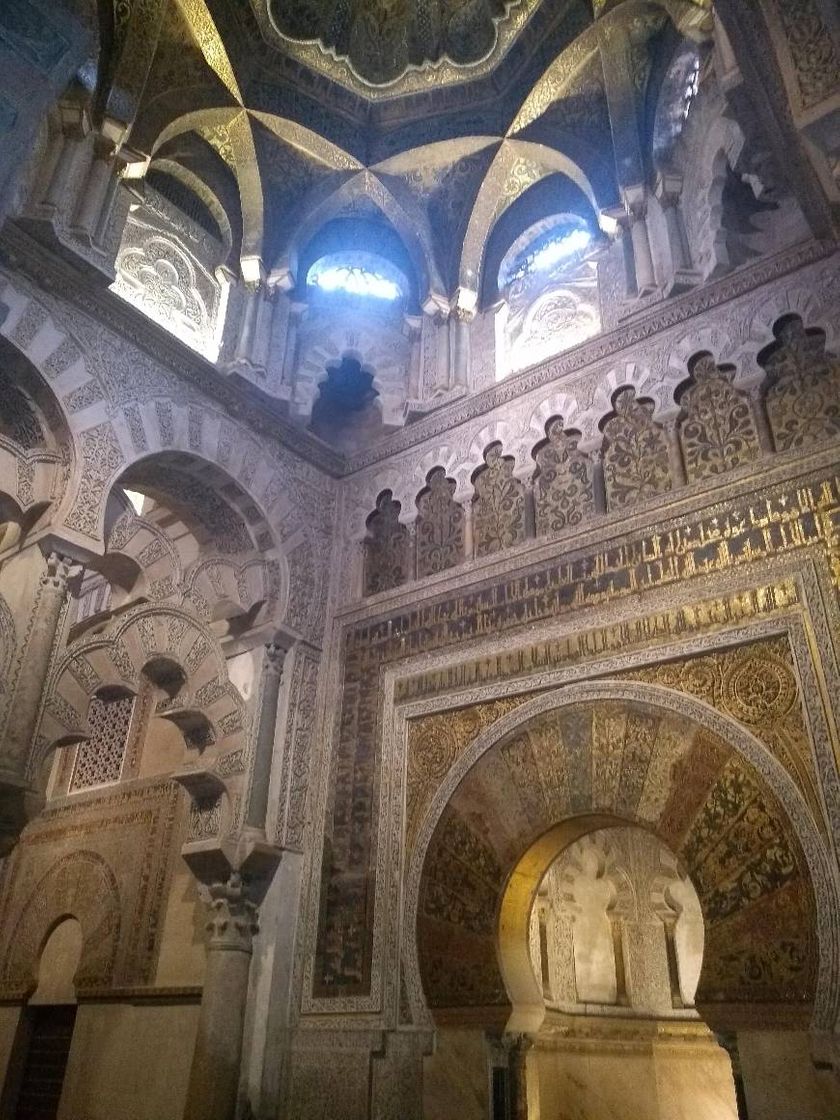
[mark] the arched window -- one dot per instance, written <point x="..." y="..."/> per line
<point x="549" y="282"/>
<point x="166" y="267"/>
<point x="357" y="274"/>
<point x="678" y="93"/>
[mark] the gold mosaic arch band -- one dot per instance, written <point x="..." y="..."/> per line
<point x="738" y="739"/>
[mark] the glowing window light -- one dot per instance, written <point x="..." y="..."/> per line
<point x="559" y="249"/>
<point x="564" y="245"/>
<point x="355" y="281"/>
<point x="692" y="88"/>
<point x="136" y="498"/>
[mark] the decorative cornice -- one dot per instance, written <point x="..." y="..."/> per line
<point x="660" y="317"/>
<point x="264" y="415"/>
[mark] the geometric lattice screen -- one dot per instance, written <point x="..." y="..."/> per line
<point x="99" y="760"/>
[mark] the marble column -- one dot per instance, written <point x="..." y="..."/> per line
<point x="247" y="324"/>
<point x="642" y="258"/>
<point x="518" y="1065"/>
<point x="415" y="361"/>
<point x="297" y="313"/>
<point x="459" y="347"/>
<point x="65" y="147"/>
<point x="677" y="240"/>
<point x="599" y="489"/>
<point x="95" y="189"/>
<point x="412" y="549"/>
<point x="676" y="464"/>
<point x="631" y="287"/>
<point x="762" y="422"/>
<point x="214" y="1076"/>
<point x="18" y="799"/>
<point x="272" y="678"/>
<point x="469" y="544"/>
<point x="683" y="276"/>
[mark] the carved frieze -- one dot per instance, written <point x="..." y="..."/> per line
<point x="439" y="527"/>
<point x="499" y="504"/>
<point x="636" y="463"/>
<point x="563" y="492"/>
<point x="717" y="430"/>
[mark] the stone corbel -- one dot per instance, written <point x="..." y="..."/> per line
<point x="436" y="306"/>
<point x="216" y="858"/>
<point x="282" y="277"/>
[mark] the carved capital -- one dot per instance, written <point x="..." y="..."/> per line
<point x="668" y="189"/>
<point x="637" y="211"/>
<point x="233" y="916"/>
<point x="59" y="569"/>
<point x="275" y="656"/>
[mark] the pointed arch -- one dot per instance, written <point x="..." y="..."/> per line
<point x="369" y="187"/>
<point x="517" y="166"/>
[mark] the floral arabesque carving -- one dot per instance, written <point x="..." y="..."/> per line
<point x="386" y="547"/>
<point x="102" y="457"/>
<point x="563" y="491"/>
<point x="498" y="505"/>
<point x="440" y="526"/>
<point x="717" y="432"/>
<point x="803" y="393"/>
<point x="635" y="452"/>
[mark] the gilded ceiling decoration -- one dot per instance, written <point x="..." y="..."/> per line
<point x="382" y="41"/>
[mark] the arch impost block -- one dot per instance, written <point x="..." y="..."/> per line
<point x="76" y="547"/>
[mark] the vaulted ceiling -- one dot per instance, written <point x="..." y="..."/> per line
<point x="278" y="117"/>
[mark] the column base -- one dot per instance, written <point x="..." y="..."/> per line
<point x="245" y="368"/>
<point x="682" y="281"/>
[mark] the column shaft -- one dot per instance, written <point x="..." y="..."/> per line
<point x="17" y="796"/>
<point x="459" y="350"/>
<point x="762" y="423"/>
<point x="214" y="1076"/>
<point x="676" y="234"/>
<point x="469" y="547"/>
<point x="643" y="260"/>
<point x="272" y="676"/>
<point x="57" y="186"/>
<point x="93" y="194"/>
<point x="599" y="489"/>
<point x="631" y="286"/>
<point x="245" y="340"/>
<point x="675" y="457"/>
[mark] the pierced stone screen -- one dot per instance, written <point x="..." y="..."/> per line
<point x="99" y="760"/>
